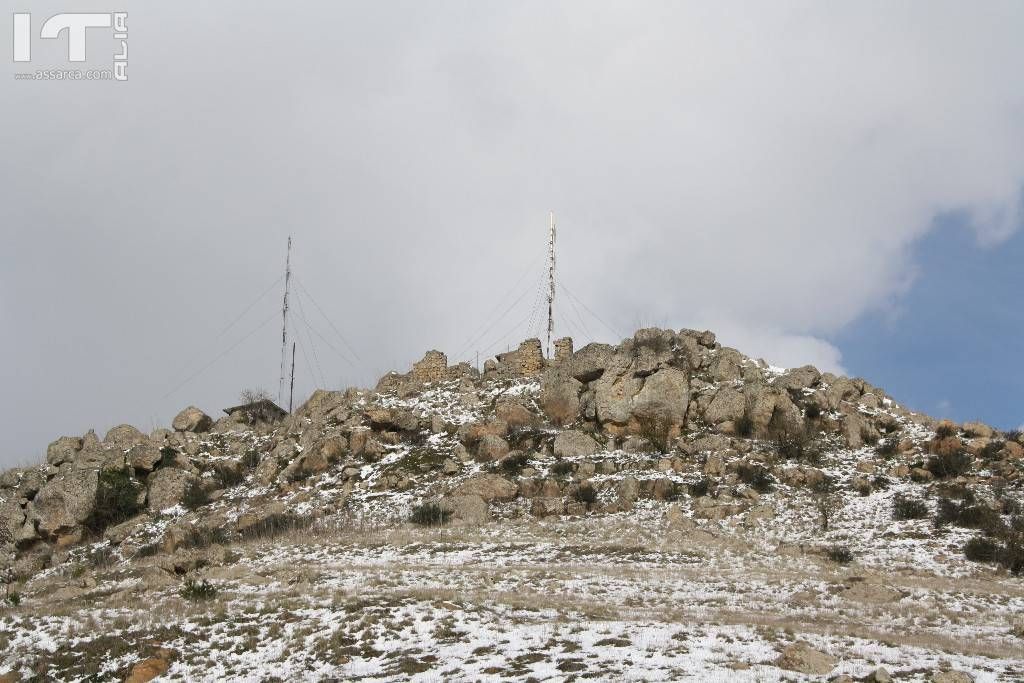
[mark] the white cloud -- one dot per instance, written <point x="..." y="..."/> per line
<point x="764" y="169"/>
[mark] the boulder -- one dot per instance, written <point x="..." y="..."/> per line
<point x="628" y="490"/>
<point x="466" y="509"/>
<point x="63" y="450"/>
<point x="488" y="486"/>
<point x="547" y="507"/>
<point x="573" y="444"/>
<point x="560" y="395"/>
<point x="590" y="362"/>
<point x="664" y="397"/>
<point x="192" y="419"/>
<point x="803" y="658"/>
<point x="123" y="437"/>
<point x="144" y="457"/>
<point x="491" y="448"/>
<point x="728" y="405"/>
<point x="798" y="378"/>
<point x="951" y="677"/>
<point x="515" y="415"/>
<point x="392" y="419"/>
<point x="167" y="487"/>
<point x="65" y="502"/>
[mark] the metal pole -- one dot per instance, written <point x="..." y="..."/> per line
<point x="284" y="318"/>
<point x="551" y="285"/>
<point x="291" y="391"/>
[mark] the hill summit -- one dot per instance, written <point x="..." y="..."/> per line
<point x="662" y="509"/>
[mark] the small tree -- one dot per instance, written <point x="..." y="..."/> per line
<point x="254" y="395"/>
<point x="827" y="501"/>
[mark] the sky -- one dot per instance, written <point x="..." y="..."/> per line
<point x="829" y="183"/>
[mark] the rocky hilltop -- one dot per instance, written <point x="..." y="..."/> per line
<point x="654" y="510"/>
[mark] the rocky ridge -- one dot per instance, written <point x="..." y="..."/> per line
<point x="666" y="426"/>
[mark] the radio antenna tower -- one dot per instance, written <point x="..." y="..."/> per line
<point x="551" y="285"/>
<point x="284" y="319"/>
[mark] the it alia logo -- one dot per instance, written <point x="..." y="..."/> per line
<point x="77" y="26"/>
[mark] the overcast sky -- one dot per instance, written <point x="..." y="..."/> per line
<point x="780" y="173"/>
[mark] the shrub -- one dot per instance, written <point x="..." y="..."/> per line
<point x="251" y="459"/>
<point x="117" y="499"/>
<point x="562" y="468"/>
<point x="812" y="411"/>
<point x="868" y="436"/>
<point x="904" y="508"/>
<point x="5" y="533"/>
<point x="198" y="590"/>
<point x="949" y="464"/>
<point x="862" y="487"/>
<point x="745" y="425"/>
<point x="969" y="516"/>
<point x="1015" y="435"/>
<point x="888" y="447"/>
<point x="700" y="488"/>
<point x="797" y="445"/>
<point x="826" y="500"/>
<point x="944" y="431"/>
<point x="195" y="496"/>
<point x="430" y="514"/>
<point x="756" y="477"/>
<point x="981" y="549"/>
<point x="586" y="494"/>
<point x="14" y="598"/>
<point x="840" y="554"/>
<point x="274" y="525"/>
<point x="204" y="537"/>
<point x="656" y="431"/>
<point x="880" y="481"/>
<point x="514" y="464"/>
<point x="991" y="450"/>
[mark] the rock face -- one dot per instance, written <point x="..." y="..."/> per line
<point x="167" y="488"/>
<point x="63" y="450"/>
<point x="65" y="502"/>
<point x="488" y="487"/>
<point x="192" y="420"/>
<point x="574" y="444"/>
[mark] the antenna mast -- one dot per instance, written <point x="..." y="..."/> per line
<point x="284" y="319"/>
<point x="291" y="390"/>
<point x="551" y="285"/>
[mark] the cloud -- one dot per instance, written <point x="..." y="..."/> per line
<point x="765" y="171"/>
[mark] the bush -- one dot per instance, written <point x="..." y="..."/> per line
<point x="117" y="500"/>
<point x="991" y="450"/>
<point x="812" y="411"/>
<point x="204" y="537"/>
<point x="981" y="549"/>
<point x="797" y="445"/>
<point x="840" y="554"/>
<point x="949" y="464"/>
<point x="430" y="514"/>
<point x="251" y="459"/>
<point x="656" y="431"/>
<point x="1014" y="435"/>
<point x="198" y="590"/>
<point x="904" y="508"/>
<point x="274" y="525"/>
<point x="13" y="598"/>
<point x="881" y="482"/>
<point x="888" y="447"/>
<point x="756" y="477"/>
<point x="514" y="464"/>
<point x="586" y="494"/>
<point x="700" y="488"/>
<point x="944" y="431"/>
<point x="562" y="468"/>
<point x="195" y="496"/>
<point x="969" y="516"/>
<point x="745" y="425"/>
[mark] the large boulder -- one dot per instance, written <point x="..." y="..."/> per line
<point x="803" y="658"/>
<point x="65" y="502"/>
<point x="664" y="397"/>
<point x="573" y="444"/>
<point x="560" y="395"/>
<point x="590" y="362"/>
<point x="63" y="450"/>
<point x="490" y="448"/>
<point x="167" y="487"/>
<point x="728" y="405"/>
<point x="192" y="420"/>
<point x="798" y="378"/>
<point x="488" y="486"/>
<point x="123" y="437"/>
<point x="466" y="510"/>
<point x="144" y="457"/>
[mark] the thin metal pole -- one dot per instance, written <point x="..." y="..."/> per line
<point x="551" y="285"/>
<point x="284" y="318"/>
<point x="291" y="391"/>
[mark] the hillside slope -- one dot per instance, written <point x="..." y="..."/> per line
<point x="662" y="509"/>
